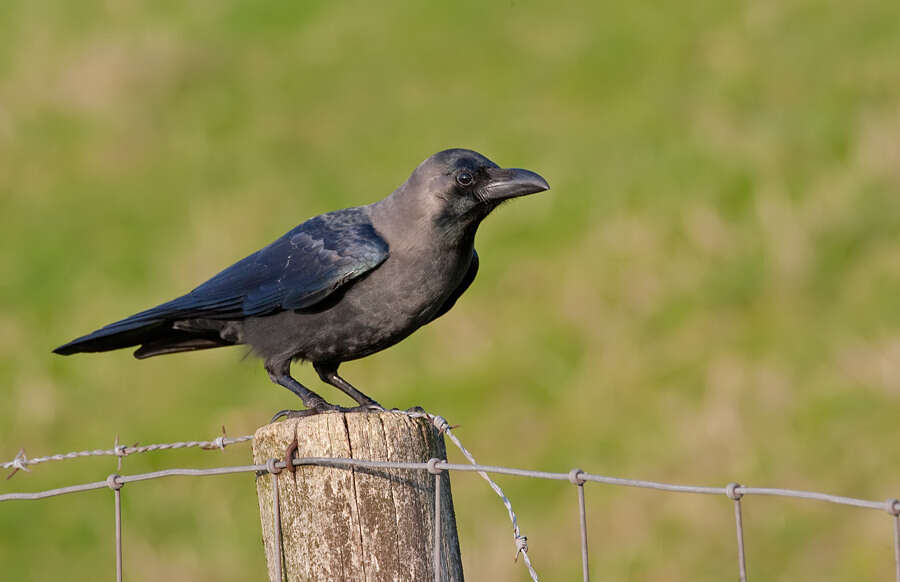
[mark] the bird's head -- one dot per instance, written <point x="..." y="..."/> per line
<point x="460" y="187"/>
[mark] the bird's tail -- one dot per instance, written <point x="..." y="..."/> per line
<point x="140" y="328"/>
<point x="156" y="338"/>
<point x="167" y="328"/>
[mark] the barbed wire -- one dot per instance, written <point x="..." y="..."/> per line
<point x="733" y="491"/>
<point x="21" y="461"/>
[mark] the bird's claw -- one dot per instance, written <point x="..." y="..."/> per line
<point x="288" y="413"/>
<point x="325" y="407"/>
<point x="316" y="408"/>
<point x="368" y="407"/>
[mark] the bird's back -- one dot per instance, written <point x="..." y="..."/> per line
<point x="296" y="271"/>
<point x="408" y="290"/>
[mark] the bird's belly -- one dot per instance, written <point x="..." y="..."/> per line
<point x="374" y="313"/>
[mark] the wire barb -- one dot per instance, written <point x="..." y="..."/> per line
<point x="119" y="451"/>
<point x="20" y="463"/>
<point x="440" y="423"/>
<point x="521" y="546"/>
<point x="444" y="427"/>
<point x="733" y="491"/>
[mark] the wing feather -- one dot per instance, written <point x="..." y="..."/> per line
<point x="298" y="270"/>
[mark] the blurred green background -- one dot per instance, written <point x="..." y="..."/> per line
<point x="709" y="293"/>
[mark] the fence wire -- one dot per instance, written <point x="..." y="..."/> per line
<point x="576" y="477"/>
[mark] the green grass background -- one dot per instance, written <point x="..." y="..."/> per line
<point x="710" y="291"/>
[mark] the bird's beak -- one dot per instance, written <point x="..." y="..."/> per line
<point x="511" y="182"/>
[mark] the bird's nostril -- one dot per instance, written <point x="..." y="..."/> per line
<point x="331" y="289"/>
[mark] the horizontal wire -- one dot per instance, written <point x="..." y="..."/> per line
<point x="494" y="469"/>
<point x="21" y="461"/>
<point x="732" y="491"/>
<point x="115" y="482"/>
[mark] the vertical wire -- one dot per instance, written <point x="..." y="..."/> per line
<point x="897" y="545"/>
<point x="118" y="495"/>
<point x="584" y="545"/>
<point x="276" y="519"/>
<point x="739" y="524"/>
<point x="437" y="527"/>
<point x="521" y="541"/>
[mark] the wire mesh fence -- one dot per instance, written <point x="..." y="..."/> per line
<point x="576" y="477"/>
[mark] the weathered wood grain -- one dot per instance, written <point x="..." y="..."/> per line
<point x="356" y="525"/>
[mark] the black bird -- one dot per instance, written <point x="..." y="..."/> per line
<point x="339" y="286"/>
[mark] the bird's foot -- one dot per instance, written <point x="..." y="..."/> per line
<point x="317" y="408"/>
<point x="368" y="407"/>
<point x="324" y="407"/>
<point x="288" y="413"/>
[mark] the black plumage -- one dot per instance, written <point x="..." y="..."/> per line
<point x="339" y="286"/>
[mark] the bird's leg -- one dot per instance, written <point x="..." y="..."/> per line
<point x="328" y="373"/>
<point x="280" y="374"/>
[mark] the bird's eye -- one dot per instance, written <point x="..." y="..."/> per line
<point x="465" y="179"/>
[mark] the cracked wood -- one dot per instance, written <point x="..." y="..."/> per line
<point x="359" y="525"/>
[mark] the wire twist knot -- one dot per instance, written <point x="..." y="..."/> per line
<point x="120" y="451"/>
<point x="114" y="482"/>
<point x="20" y="463"/>
<point x="893" y="506"/>
<point x="272" y="467"/>
<point x="432" y="466"/>
<point x="521" y="546"/>
<point x="441" y="424"/>
<point x="575" y="477"/>
<point x="731" y="490"/>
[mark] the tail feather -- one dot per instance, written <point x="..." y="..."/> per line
<point x="153" y="328"/>
<point x="179" y="342"/>
<point x="116" y="336"/>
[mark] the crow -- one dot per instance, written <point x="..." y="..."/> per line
<point x="340" y="286"/>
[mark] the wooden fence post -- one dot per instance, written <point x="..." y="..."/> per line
<point x="356" y="525"/>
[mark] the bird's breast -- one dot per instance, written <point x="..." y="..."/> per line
<point x="376" y="311"/>
<point x="413" y="286"/>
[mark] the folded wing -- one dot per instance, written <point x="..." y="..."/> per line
<point x="297" y="271"/>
